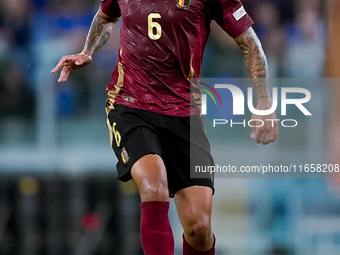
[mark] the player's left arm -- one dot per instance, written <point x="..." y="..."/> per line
<point x="98" y="34"/>
<point x="256" y="63"/>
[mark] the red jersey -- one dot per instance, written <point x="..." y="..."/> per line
<point x="161" y="48"/>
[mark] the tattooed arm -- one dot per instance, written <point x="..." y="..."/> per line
<point x="99" y="33"/>
<point x="256" y="61"/>
<point x="256" y="64"/>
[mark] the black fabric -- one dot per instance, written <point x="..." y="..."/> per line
<point x="181" y="147"/>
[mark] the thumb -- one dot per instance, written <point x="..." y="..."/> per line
<point x="80" y="61"/>
<point x="83" y="58"/>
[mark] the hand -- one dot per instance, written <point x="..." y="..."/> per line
<point x="70" y="63"/>
<point x="270" y="130"/>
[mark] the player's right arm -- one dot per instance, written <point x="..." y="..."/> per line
<point x="99" y="33"/>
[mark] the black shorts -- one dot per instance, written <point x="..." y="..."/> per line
<point x="136" y="133"/>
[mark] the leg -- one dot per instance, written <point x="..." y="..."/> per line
<point x="194" y="210"/>
<point x="149" y="173"/>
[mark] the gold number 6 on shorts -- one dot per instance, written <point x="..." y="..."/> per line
<point x="114" y="132"/>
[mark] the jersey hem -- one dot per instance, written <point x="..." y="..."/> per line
<point x="194" y="111"/>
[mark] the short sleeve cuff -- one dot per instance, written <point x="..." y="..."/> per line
<point x="111" y="8"/>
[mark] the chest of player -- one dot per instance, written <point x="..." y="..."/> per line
<point x="154" y="18"/>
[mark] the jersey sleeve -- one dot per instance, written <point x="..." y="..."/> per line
<point x="230" y="15"/>
<point x="111" y="8"/>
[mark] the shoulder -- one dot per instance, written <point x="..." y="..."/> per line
<point x="218" y="6"/>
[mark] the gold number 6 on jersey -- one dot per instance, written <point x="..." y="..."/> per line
<point x="154" y="35"/>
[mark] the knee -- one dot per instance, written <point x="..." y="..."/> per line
<point x="199" y="228"/>
<point x="154" y="191"/>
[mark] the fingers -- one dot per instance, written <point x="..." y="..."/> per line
<point x="265" y="134"/>
<point x="63" y="62"/>
<point x="70" y="63"/>
<point x="266" y="127"/>
<point x="272" y="135"/>
<point x="270" y="138"/>
<point x="253" y="133"/>
<point x="64" y="74"/>
<point x="56" y="68"/>
<point x="258" y="132"/>
<point x="257" y="135"/>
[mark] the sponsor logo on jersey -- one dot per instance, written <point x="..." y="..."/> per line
<point x="239" y="13"/>
<point x="129" y="99"/>
<point x="183" y="3"/>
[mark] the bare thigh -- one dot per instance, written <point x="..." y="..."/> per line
<point x="149" y="174"/>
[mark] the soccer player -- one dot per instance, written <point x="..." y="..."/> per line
<point x="151" y="109"/>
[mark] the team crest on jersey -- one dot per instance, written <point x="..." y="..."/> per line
<point x="183" y="3"/>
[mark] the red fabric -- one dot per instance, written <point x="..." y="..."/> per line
<point x="155" y="229"/>
<point x="189" y="250"/>
<point x="111" y="8"/>
<point x="161" y="47"/>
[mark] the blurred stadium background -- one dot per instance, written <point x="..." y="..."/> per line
<point x="58" y="188"/>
